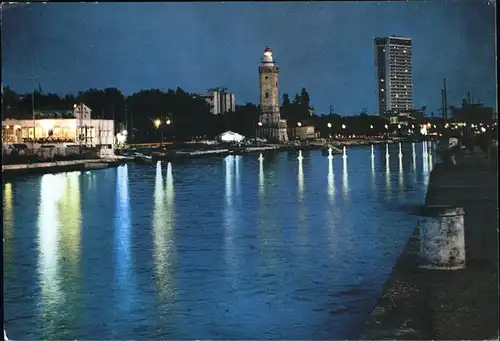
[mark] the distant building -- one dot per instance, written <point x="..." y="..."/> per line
<point x="62" y="126"/>
<point x="304" y="132"/>
<point x="221" y="101"/>
<point x="230" y="136"/>
<point x="393" y="63"/>
<point x="273" y="127"/>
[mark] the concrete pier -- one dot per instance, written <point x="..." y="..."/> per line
<point x="420" y="304"/>
<point x="442" y="244"/>
<point x="61" y="166"/>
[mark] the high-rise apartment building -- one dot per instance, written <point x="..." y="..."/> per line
<point x="394" y="74"/>
<point x="221" y="101"/>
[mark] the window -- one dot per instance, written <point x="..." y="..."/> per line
<point x="266" y="77"/>
<point x="267" y="94"/>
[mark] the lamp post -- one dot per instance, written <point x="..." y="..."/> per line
<point x="343" y="129"/>
<point x="259" y="124"/>
<point x="299" y="124"/>
<point x="329" y="125"/>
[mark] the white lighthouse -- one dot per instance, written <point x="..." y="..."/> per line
<point x="273" y="127"/>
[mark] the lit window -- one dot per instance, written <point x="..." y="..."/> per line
<point x="397" y="96"/>
<point x="382" y="80"/>
<point x="404" y="51"/>
<point x="395" y="76"/>
<point x="406" y="70"/>
<point x="405" y="86"/>
<point x="382" y="90"/>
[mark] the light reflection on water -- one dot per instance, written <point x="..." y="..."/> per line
<point x="345" y="179"/>
<point x="247" y="244"/>
<point x="163" y="238"/>
<point x="331" y="180"/>
<point x="59" y="226"/>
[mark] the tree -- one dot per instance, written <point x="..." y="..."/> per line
<point x="286" y="99"/>
<point x="304" y="96"/>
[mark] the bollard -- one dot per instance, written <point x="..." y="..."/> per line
<point x="442" y="241"/>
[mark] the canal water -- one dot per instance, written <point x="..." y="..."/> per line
<point x="221" y="248"/>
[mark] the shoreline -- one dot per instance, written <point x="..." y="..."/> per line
<point x="15" y="170"/>
<point x="419" y="304"/>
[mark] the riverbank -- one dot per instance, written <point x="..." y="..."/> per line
<point x="61" y="166"/>
<point x="422" y="304"/>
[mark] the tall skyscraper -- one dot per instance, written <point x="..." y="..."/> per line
<point x="273" y="127"/>
<point x="394" y="74"/>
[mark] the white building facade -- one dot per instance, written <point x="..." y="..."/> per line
<point x="70" y="127"/>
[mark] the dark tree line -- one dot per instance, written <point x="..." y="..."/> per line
<point x="189" y="114"/>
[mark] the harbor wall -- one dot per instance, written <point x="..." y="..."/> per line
<point x="421" y="304"/>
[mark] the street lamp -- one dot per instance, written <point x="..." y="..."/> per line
<point x="157" y="123"/>
<point x="259" y="124"/>
<point x="329" y="125"/>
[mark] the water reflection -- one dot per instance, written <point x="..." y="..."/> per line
<point x="261" y="177"/>
<point x="122" y="239"/>
<point x="70" y="218"/>
<point x="387" y="150"/>
<point x="300" y="179"/>
<point x="163" y="237"/>
<point x="237" y="160"/>
<point x="425" y="163"/>
<point x="51" y="192"/>
<point x="387" y="174"/>
<point x="7" y="214"/>
<point x="331" y="182"/>
<point x="401" y="173"/>
<point x="345" y="180"/>
<point x="230" y="221"/>
<point x="431" y="164"/>
<point x="414" y="158"/>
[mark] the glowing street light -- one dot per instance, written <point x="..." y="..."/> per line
<point x="386" y="126"/>
<point x="299" y="124"/>
<point x="329" y="125"/>
<point x="259" y="124"/>
<point x="343" y="126"/>
<point x="157" y="123"/>
<point x="371" y="126"/>
<point x="399" y="126"/>
<point x="168" y="122"/>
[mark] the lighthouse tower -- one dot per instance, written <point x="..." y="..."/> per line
<point x="273" y="128"/>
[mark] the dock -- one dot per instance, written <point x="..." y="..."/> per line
<point x="420" y="304"/>
<point x="62" y="166"/>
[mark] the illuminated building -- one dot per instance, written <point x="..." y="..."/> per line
<point x="393" y="63"/>
<point x="273" y="128"/>
<point x="54" y="127"/>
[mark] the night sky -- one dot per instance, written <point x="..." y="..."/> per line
<point x="325" y="47"/>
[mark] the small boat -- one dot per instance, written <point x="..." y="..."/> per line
<point x="143" y="159"/>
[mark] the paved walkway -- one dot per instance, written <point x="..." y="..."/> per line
<point x="448" y="305"/>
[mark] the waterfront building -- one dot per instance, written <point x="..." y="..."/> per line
<point x="272" y="127"/>
<point x="62" y="126"/>
<point x="303" y="132"/>
<point x="220" y="100"/>
<point x="231" y="136"/>
<point x="393" y="63"/>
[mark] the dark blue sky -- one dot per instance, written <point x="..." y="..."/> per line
<point x="324" y="47"/>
